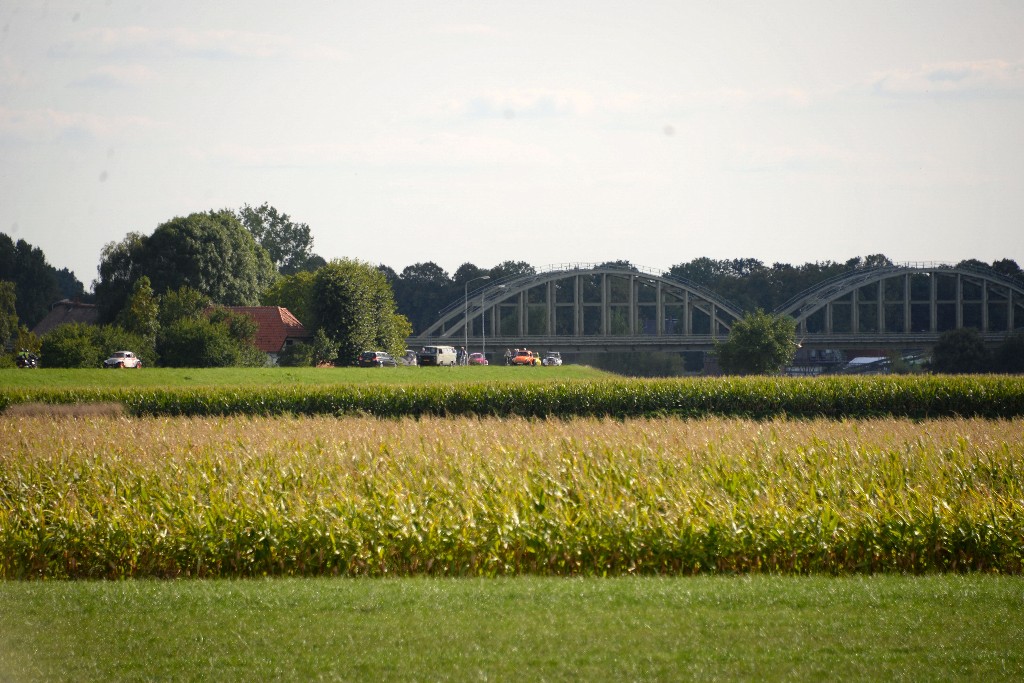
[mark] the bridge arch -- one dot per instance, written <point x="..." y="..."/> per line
<point x="922" y="300"/>
<point x="584" y="306"/>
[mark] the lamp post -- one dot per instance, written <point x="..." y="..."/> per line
<point x="465" y="307"/>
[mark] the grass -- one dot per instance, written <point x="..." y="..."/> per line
<point x="245" y="377"/>
<point x="947" y="627"/>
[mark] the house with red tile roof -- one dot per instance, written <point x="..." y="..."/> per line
<point x="276" y="328"/>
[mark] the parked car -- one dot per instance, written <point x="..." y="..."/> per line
<point x="526" y="357"/>
<point x="408" y="358"/>
<point x="552" y="358"/>
<point x="477" y="359"/>
<point x="376" y="359"/>
<point x="438" y="355"/>
<point x="123" y="359"/>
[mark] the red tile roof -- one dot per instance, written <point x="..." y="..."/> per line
<point x="275" y="325"/>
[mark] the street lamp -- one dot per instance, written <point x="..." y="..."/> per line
<point x="465" y="308"/>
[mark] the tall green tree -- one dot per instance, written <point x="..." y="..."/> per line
<point x="120" y="266"/>
<point x="355" y="307"/>
<point x="141" y="314"/>
<point x="210" y="252"/>
<point x="289" y="244"/>
<point x="184" y="303"/>
<point x="294" y="292"/>
<point x="8" y="312"/>
<point x="422" y="290"/>
<point x="35" y="280"/>
<point x="759" y="344"/>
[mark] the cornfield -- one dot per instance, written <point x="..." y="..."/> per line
<point x="111" y="496"/>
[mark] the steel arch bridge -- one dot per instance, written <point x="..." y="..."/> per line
<point x="589" y="307"/>
<point x="907" y="305"/>
<point x="586" y="307"/>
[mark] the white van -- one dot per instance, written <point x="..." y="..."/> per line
<point x="437" y="355"/>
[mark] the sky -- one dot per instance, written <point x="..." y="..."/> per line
<point x="548" y="132"/>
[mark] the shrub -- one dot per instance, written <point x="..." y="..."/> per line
<point x="72" y="346"/>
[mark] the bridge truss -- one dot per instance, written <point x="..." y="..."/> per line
<point x="587" y="307"/>
<point x="908" y="303"/>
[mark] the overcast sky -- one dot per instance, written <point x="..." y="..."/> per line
<point x="545" y="132"/>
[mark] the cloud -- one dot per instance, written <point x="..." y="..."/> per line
<point x="805" y="158"/>
<point x="511" y="104"/>
<point x="444" y="150"/>
<point x="50" y="123"/>
<point x="569" y="102"/>
<point x="990" y="77"/>
<point x="464" y="30"/>
<point x="10" y="75"/>
<point x="140" y="42"/>
<point x="112" y="76"/>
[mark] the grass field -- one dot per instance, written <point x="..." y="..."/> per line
<point x="889" y="628"/>
<point x="236" y="377"/>
<point x="920" y="519"/>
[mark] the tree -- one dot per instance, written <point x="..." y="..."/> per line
<point x="72" y="346"/>
<point x="309" y="354"/>
<point x="1009" y="355"/>
<point x="960" y="351"/>
<point x="8" y="312"/>
<point x="507" y="269"/>
<point x="294" y="292"/>
<point x="355" y="307"/>
<point x="34" y="279"/>
<point x="972" y="264"/>
<point x="119" y="267"/>
<point x="210" y="252"/>
<point x="221" y="339"/>
<point x="71" y="287"/>
<point x="183" y="303"/>
<point x="1007" y="267"/>
<point x="465" y="273"/>
<point x="78" y="345"/>
<point x="759" y="343"/>
<point x="289" y="244"/>
<point x="141" y="314"/>
<point x="869" y="261"/>
<point x="421" y="291"/>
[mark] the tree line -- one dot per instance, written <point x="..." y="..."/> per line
<point x="164" y="288"/>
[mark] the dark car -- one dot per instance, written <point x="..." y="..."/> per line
<point x="376" y="359"/>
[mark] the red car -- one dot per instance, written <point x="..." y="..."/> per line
<point x="477" y="359"/>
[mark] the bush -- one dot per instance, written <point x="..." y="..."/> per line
<point x="78" y="345"/>
<point x="960" y="351"/>
<point x="202" y="343"/>
<point x="72" y="346"/>
<point x="1009" y="356"/>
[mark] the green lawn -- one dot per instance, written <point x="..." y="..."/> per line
<point x="948" y="627"/>
<point x="229" y="377"/>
